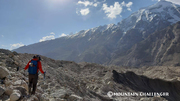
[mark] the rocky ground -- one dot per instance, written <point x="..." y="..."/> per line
<point x="70" y="81"/>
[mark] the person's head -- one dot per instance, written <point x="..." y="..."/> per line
<point x="37" y="57"/>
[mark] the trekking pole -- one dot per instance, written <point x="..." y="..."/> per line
<point x="44" y="75"/>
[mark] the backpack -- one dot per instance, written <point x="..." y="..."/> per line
<point x="33" y="67"/>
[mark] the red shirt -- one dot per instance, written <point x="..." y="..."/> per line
<point x="39" y="66"/>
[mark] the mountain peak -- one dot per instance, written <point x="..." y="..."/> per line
<point x="162" y="1"/>
<point x="161" y="11"/>
<point x="161" y="4"/>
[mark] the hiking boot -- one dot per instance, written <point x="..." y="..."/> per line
<point x="33" y="93"/>
<point x="29" y="91"/>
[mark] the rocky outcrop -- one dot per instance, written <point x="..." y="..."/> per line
<point x="3" y="72"/>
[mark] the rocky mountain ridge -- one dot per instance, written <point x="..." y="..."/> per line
<point x="160" y="48"/>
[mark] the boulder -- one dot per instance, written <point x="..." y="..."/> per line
<point x="9" y="91"/>
<point x="3" y="72"/>
<point x="15" y="95"/>
<point x="21" y="89"/>
<point x="21" y="83"/>
<point x="25" y="85"/>
<point x="18" y="82"/>
<point x="2" y="90"/>
<point x="8" y="83"/>
<point x="4" y="98"/>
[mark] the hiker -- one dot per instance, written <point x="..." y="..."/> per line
<point x="33" y="67"/>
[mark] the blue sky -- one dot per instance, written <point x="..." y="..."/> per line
<point x="24" y="22"/>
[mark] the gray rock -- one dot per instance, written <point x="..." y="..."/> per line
<point x="9" y="91"/>
<point x="8" y="83"/>
<point x="45" y="86"/>
<point x="75" y="98"/>
<point x="21" y="89"/>
<point x="3" y="72"/>
<point x="34" y="98"/>
<point x="61" y="93"/>
<point x="9" y="62"/>
<point x="2" y="90"/>
<point x="18" y="82"/>
<point x="43" y="97"/>
<point x="15" y="95"/>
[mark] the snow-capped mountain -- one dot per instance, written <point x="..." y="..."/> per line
<point x="100" y="29"/>
<point x="107" y="43"/>
<point x="162" y="11"/>
<point x="154" y="17"/>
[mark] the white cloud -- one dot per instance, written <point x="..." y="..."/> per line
<point x="112" y="11"/>
<point x="2" y="35"/>
<point x="50" y="37"/>
<point x="84" y="11"/>
<point x="52" y="33"/>
<point x="129" y="4"/>
<point x="85" y="3"/>
<point x="129" y="9"/>
<point x="95" y="4"/>
<point x="62" y="35"/>
<point x="123" y="3"/>
<point x="88" y="3"/>
<point x="17" y="45"/>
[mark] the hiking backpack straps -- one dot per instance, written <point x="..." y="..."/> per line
<point x="33" y="67"/>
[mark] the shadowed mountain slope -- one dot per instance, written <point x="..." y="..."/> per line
<point x="160" y="48"/>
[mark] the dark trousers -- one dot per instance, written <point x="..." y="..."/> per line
<point x="33" y="79"/>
